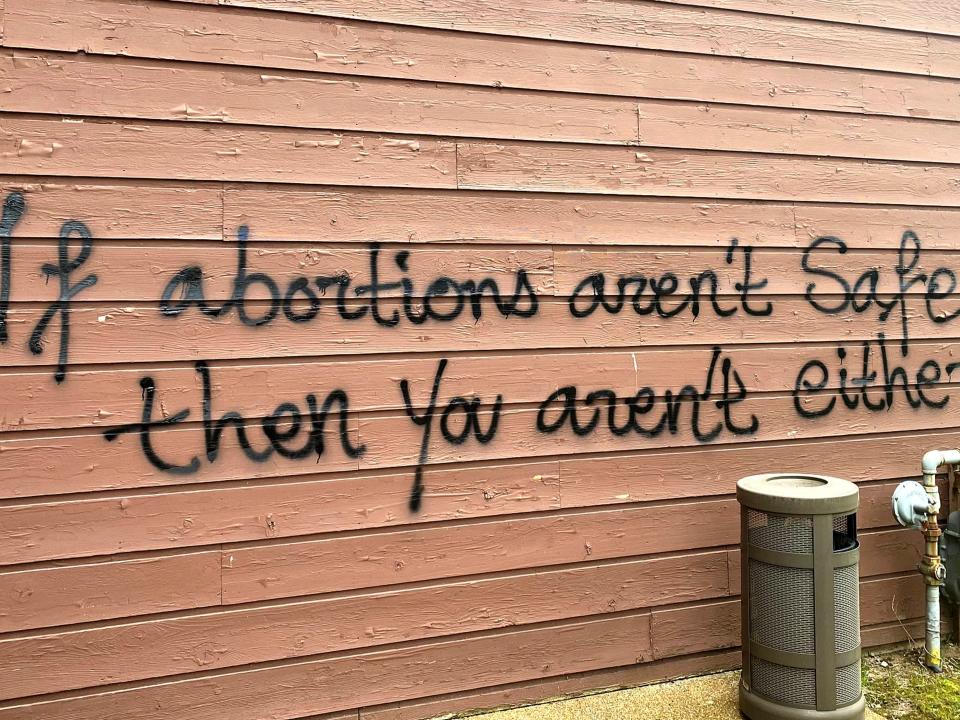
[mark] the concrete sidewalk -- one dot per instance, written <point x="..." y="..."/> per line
<point x="709" y="697"/>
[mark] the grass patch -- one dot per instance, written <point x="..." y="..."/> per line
<point x="899" y="687"/>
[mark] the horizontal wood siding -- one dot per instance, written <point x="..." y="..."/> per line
<point x="387" y="359"/>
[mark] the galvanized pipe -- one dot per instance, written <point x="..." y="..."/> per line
<point x="931" y="567"/>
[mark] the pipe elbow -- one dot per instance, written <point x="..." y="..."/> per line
<point x="933" y="459"/>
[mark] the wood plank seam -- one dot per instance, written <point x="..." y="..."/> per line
<point x="920" y="66"/>
<point x="293" y="663"/>
<point x="927" y="17"/>
<point x="657" y="610"/>
<point x="881" y="107"/>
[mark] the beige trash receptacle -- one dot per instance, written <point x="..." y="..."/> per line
<point x="800" y="595"/>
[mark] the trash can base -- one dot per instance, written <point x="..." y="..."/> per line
<point x="755" y="707"/>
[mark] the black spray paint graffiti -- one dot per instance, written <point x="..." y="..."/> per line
<point x="664" y="295"/>
<point x="62" y="270"/>
<point x="814" y="382"/>
<point x="186" y="289"/>
<point x="14" y="207"/>
<point x="143" y="428"/>
<point x="286" y="425"/>
<point x="863" y="293"/>
<point x="646" y="403"/>
<point x="467" y="409"/>
<point x="708" y="410"/>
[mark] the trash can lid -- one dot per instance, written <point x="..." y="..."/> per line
<point x="798" y="494"/>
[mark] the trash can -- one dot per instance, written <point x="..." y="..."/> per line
<point x="800" y="598"/>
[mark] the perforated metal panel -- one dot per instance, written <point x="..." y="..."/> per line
<point x="781" y="607"/>
<point x="848" y="684"/>
<point x="846" y="589"/>
<point x="783" y="684"/>
<point x="783" y="533"/>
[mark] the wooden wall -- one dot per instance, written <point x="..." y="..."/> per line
<point x="270" y="447"/>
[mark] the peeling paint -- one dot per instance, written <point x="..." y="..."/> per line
<point x="32" y="148"/>
<point x="333" y="142"/>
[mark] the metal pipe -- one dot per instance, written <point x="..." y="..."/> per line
<point x="931" y="567"/>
